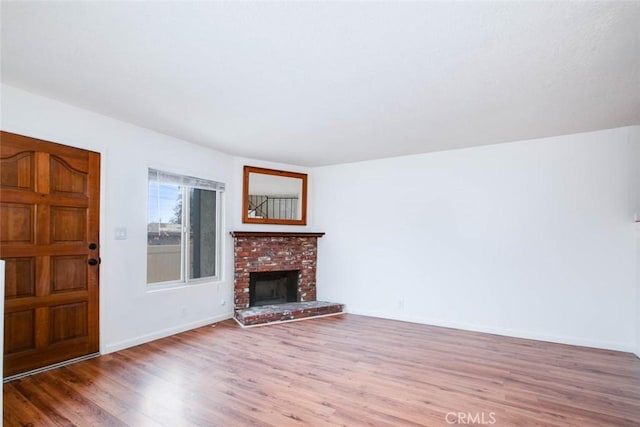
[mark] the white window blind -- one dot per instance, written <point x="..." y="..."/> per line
<point x="186" y="181"/>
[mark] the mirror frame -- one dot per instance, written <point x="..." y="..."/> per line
<point x="264" y="171"/>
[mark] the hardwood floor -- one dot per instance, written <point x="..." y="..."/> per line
<point x="343" y="370"/>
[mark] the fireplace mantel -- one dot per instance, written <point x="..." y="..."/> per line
<point x="274" y="234"/>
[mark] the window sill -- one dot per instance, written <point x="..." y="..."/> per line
<point x="167" y="286"/>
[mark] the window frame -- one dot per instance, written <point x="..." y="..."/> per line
<point x="184" y="181"/>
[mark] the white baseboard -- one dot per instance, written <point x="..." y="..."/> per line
<point x="110" y="348"/>
<point x="501" y="331"/>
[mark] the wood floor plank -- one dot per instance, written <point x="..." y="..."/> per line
<point x="337" y="371"/>
<point x="19" y="411"/>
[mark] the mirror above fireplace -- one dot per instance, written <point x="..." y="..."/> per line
<point x="273" y="196"/>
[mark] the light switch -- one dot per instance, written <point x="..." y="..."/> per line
<point x="121" y="233"/>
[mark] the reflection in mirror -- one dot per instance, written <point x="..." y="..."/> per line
<point x="274" y="197"/>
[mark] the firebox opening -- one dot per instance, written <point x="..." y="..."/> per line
<point x="273" y="287"/>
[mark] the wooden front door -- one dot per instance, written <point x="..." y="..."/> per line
<point x="49" y="230"/>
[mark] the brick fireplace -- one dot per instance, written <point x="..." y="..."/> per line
<point x="256" y="252"/>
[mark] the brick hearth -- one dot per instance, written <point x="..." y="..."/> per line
<point x="285" y="312"/>
<point x="277" y="251"/>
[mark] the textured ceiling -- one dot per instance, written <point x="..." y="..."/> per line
<point x="323" y="83"/>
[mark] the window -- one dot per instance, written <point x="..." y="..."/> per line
<point x="183" y="238"/>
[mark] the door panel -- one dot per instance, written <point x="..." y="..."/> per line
<point x="16" y="224"/>
<point x="68" y="321"/>
<point x="68" y="224"/>
<point x="68" y="273"/>
<point x="17" y="171"/>
<point x="64" y="179"/>
<point x="19" y="328"/>
<point x="49" y="200"/>
<point x="20" y="277"/>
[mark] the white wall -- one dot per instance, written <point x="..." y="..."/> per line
<point x="637" y="351"/>
<point x="131" y="312"/>
<point x="634" y="137"/>
<point x="1" y="328"/>
<point x="532" y="239"/>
